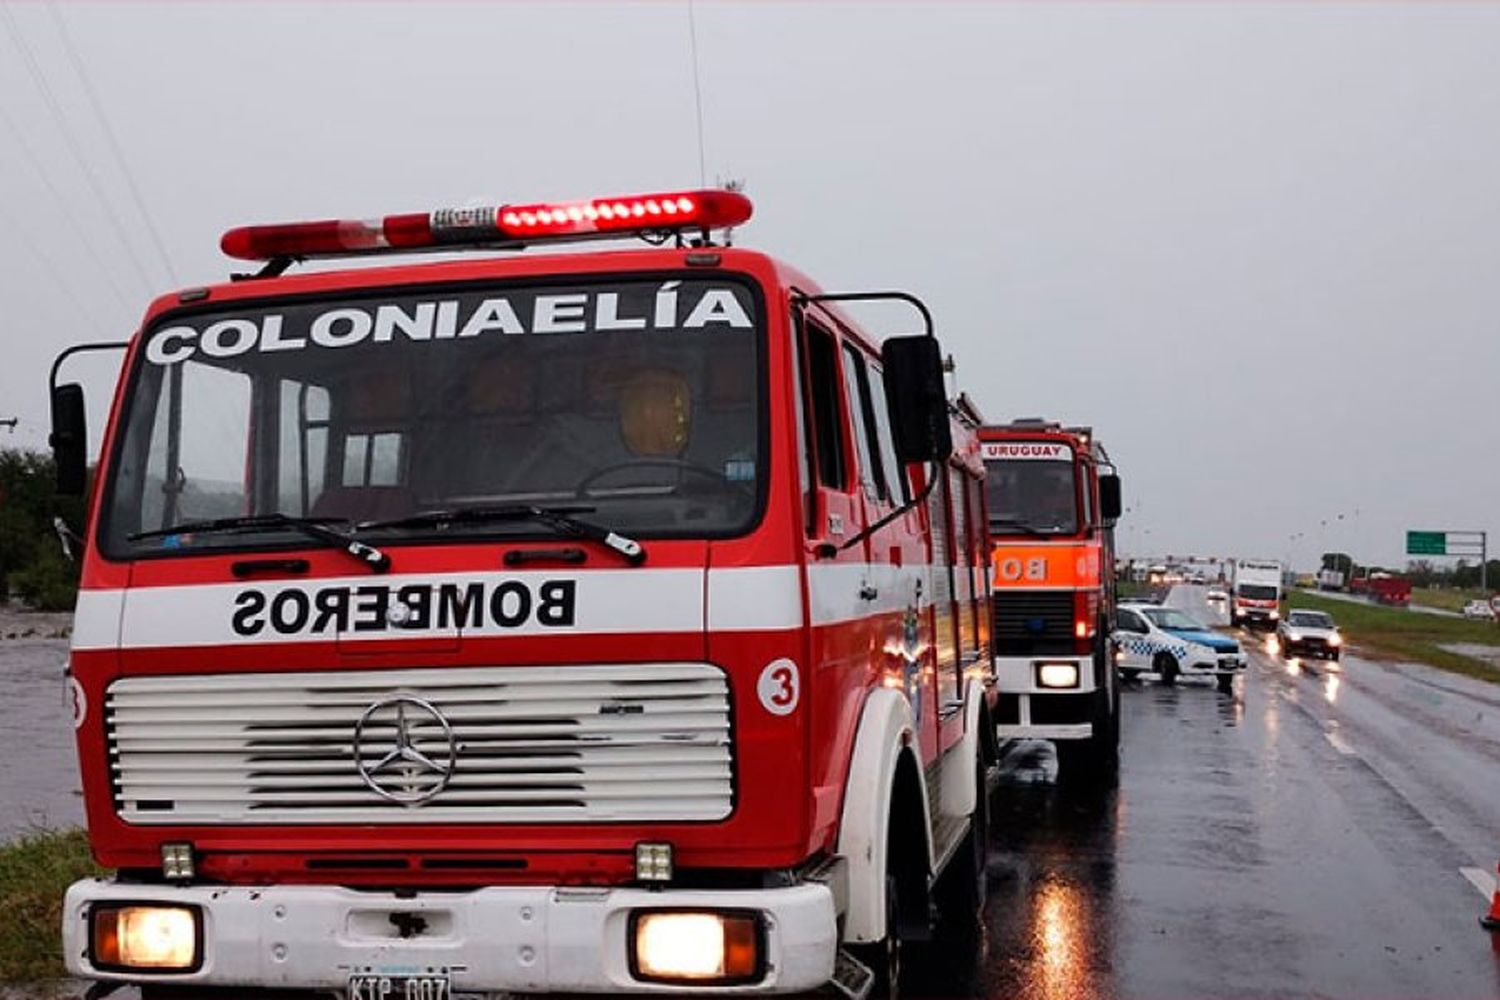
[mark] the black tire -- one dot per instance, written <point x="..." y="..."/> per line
<point x="1165" y="665"/>
<point x="1226" y="683"/>
<point x="949" y="965"/>
<point x="1096" y="759"/>
<point x="886" y="958"/>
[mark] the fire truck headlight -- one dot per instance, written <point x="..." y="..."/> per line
<point x="1057" y="675"/>
<point x="141" y="937"/>
<point x="696" y="947"/>
<point x="1275" y="615"/>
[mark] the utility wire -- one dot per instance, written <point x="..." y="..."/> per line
<point x="65" y="211"/>
<point x="109" y="133"/>
<point x="50" y="99"/>
<point x="57" y="274"/>
<point x="697" y="93"/>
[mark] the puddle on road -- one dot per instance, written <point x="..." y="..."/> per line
<point x="39" y="784"/>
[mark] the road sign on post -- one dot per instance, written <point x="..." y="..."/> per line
<point x="1452" y="543"/>
<point x="1426" y="543"/>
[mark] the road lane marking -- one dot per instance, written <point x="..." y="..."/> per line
<point x="1481" y="880"/>
<point x="1339" y="744"/>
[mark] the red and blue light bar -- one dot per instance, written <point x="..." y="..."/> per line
<point x="506" y="225"/>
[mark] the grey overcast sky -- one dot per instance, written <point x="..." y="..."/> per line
<point x="1255" y="244"/>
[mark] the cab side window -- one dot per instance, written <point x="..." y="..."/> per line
<point x="857" y="383"/>
<point x="1131" y="622"/>
<point x="898" y="485"/>
<point x="824" y="427"/>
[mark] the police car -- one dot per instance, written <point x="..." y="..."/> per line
<point x="1165" y="641"/>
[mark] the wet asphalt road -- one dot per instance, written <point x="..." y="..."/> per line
<point x="1308" y="836"/>
<point x="39" y="784"/>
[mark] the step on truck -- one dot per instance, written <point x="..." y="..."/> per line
<point x="1054" y="497"/>
<point x="607" y="622"/>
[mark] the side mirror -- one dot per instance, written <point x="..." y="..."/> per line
<point x="1109" y="497"/>
<point x="69" y="439"/>
<point x="913" y="373"/>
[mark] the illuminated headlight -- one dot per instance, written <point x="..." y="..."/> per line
<point x="1275" y="615"/>
<point x="1335" y="640"/>
<point x="696" y="947"/>
<point x="146" y="938"/>
<point x="653" y="862"/>
<point x="1057" y="675"/>
<point x="1294" y="636"/>
<point x="177" y="862"/>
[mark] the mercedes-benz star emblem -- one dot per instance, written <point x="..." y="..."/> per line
<point x="404" y="773"/>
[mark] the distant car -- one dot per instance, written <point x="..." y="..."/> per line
<point x="1216" y="595"/>
<point x="1197" y="578"/>
<point x="1479" y="609"/>
<point x="1309" y="633"/>
<point x="1170" y="644"/>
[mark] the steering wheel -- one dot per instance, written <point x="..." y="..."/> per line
<point x="682" y="465"/>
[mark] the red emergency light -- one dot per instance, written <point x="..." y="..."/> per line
<point x="503" y="226"/>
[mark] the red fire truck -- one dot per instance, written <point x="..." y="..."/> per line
<point x="1054" y="497"/>
<point x="595" y="622"/>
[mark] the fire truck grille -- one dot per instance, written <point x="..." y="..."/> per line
<point x="1033" y="622"/>
<point x="644" y="742"/>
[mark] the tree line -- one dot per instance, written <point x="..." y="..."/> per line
<point x="1462" y="574"/>
<point x="33" y="565"/>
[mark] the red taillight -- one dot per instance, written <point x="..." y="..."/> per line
<point x="1085" y="613"/>
<point x="507" y="225"/>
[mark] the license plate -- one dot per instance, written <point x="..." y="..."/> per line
<point x="371" y="987"/>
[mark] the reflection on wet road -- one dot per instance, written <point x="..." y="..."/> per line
<point x="1256" y="846"/>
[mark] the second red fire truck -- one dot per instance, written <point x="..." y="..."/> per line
<point x="1054" y="497"/>
<point x="598" y="622"/>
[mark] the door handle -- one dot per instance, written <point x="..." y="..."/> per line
<point x="867" y="592"/>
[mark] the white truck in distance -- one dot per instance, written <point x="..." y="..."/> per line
<point x="1255" y="598"/>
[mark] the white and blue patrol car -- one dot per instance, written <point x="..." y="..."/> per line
<point x="1165" y="641"/>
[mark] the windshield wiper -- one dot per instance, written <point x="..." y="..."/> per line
<point x="1008" y="524"/>
<point x="314" y="528"/>
<point x="557" y="517"/>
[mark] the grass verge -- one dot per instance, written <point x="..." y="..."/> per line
<point x="34" y="872"/>
<point x="1445" y="597"/>
<point x="1398" y="634"/>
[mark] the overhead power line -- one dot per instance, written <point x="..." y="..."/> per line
<point x="34" y="69"/>
<point x="64" y="206"/>
<point x="58" y="275"/>
<point x="109" y="133"/>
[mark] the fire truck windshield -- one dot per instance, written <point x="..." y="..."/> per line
<point x="639" y="399"/>
<point x="1031" y="496"/>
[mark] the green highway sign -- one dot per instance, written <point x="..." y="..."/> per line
<point x="1426" y="543"/>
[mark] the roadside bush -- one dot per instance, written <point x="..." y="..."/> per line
<point x="31" y="560"/>
<point x="50" y="583"/>
<point x="34" y="872"/>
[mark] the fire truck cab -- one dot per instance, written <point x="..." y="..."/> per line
<point x="1053" y="500"/>
<point x="597" y="622"/>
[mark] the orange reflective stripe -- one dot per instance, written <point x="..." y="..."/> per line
<point x="1023" y="566"/>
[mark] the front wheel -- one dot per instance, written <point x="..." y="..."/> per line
<point x="949" y="965"/>
<point x="1226" y="683"/>
<point x="1165" y="665"/>
<point x="1098" y="757"/>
